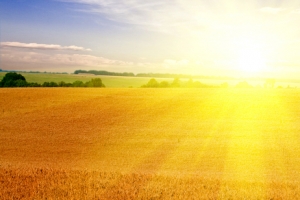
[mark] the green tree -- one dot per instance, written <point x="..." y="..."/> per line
<point x="190" y="83"/>
<point x="152" y="84"/>
<point x="12" y="79"/>
<point x="78" y="84"/>
<point x="46" y="84"/>
<point x="20" y="83"/>
<point x="68" y="85"/>
<point x="175" y="83"/>
<point x="164" y="84"/>
<point x="53" y="84"/>
<point x="34" y="85"/>
<point x="62" y="84"/>
<point x="95" y="82"/>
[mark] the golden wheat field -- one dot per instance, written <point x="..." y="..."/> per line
<point x="81" y="143"/>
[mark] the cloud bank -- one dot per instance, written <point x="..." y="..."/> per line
<point x="26" y="56"/>
<point x="42" y="46"/>
<point x="58" y="59"/>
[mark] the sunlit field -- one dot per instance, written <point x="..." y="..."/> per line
<point x="80" y="143"/>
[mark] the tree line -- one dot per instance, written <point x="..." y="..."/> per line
<point x="106" y="73"/>
<point x="12" y="79"/>
<point x="177" y="83"/>
<point x="156" y="75"/>
<point x="36" y="72"/>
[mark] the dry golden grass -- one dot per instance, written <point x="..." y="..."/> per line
<point x="80" y="143"/>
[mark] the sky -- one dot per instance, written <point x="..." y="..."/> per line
<point x="256" y="38"/>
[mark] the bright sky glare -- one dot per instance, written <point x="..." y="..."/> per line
<point x="216" y="38"/>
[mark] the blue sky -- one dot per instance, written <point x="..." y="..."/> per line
<point x="217" y="37"/>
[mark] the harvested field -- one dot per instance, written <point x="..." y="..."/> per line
<point x="81" y="143"/>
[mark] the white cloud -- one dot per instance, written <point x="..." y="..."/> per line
<point x="17" y="59"/>
<point x="60" y="59"/>
<point x="155" y="15"/>
<point x="271" y="10"/>
<point x="42" y="46"/>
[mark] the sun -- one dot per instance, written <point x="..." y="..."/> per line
<point x="250" y="61"/>
<point x="249" y="57"/>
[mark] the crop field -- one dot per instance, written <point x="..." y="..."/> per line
<point x="138" y="143"/>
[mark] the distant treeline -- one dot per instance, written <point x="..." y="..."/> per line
<point x="106" y="73"/>
<point x="1" y="70"/>
<point x="38" y="72"/>
<point x="156" y="75"/>
<point x="159" y="75"/>
<point x="177" y="83"/>
<point x="12" y="79"/>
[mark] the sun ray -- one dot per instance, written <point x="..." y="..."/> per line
<point x="245" y="163"/>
